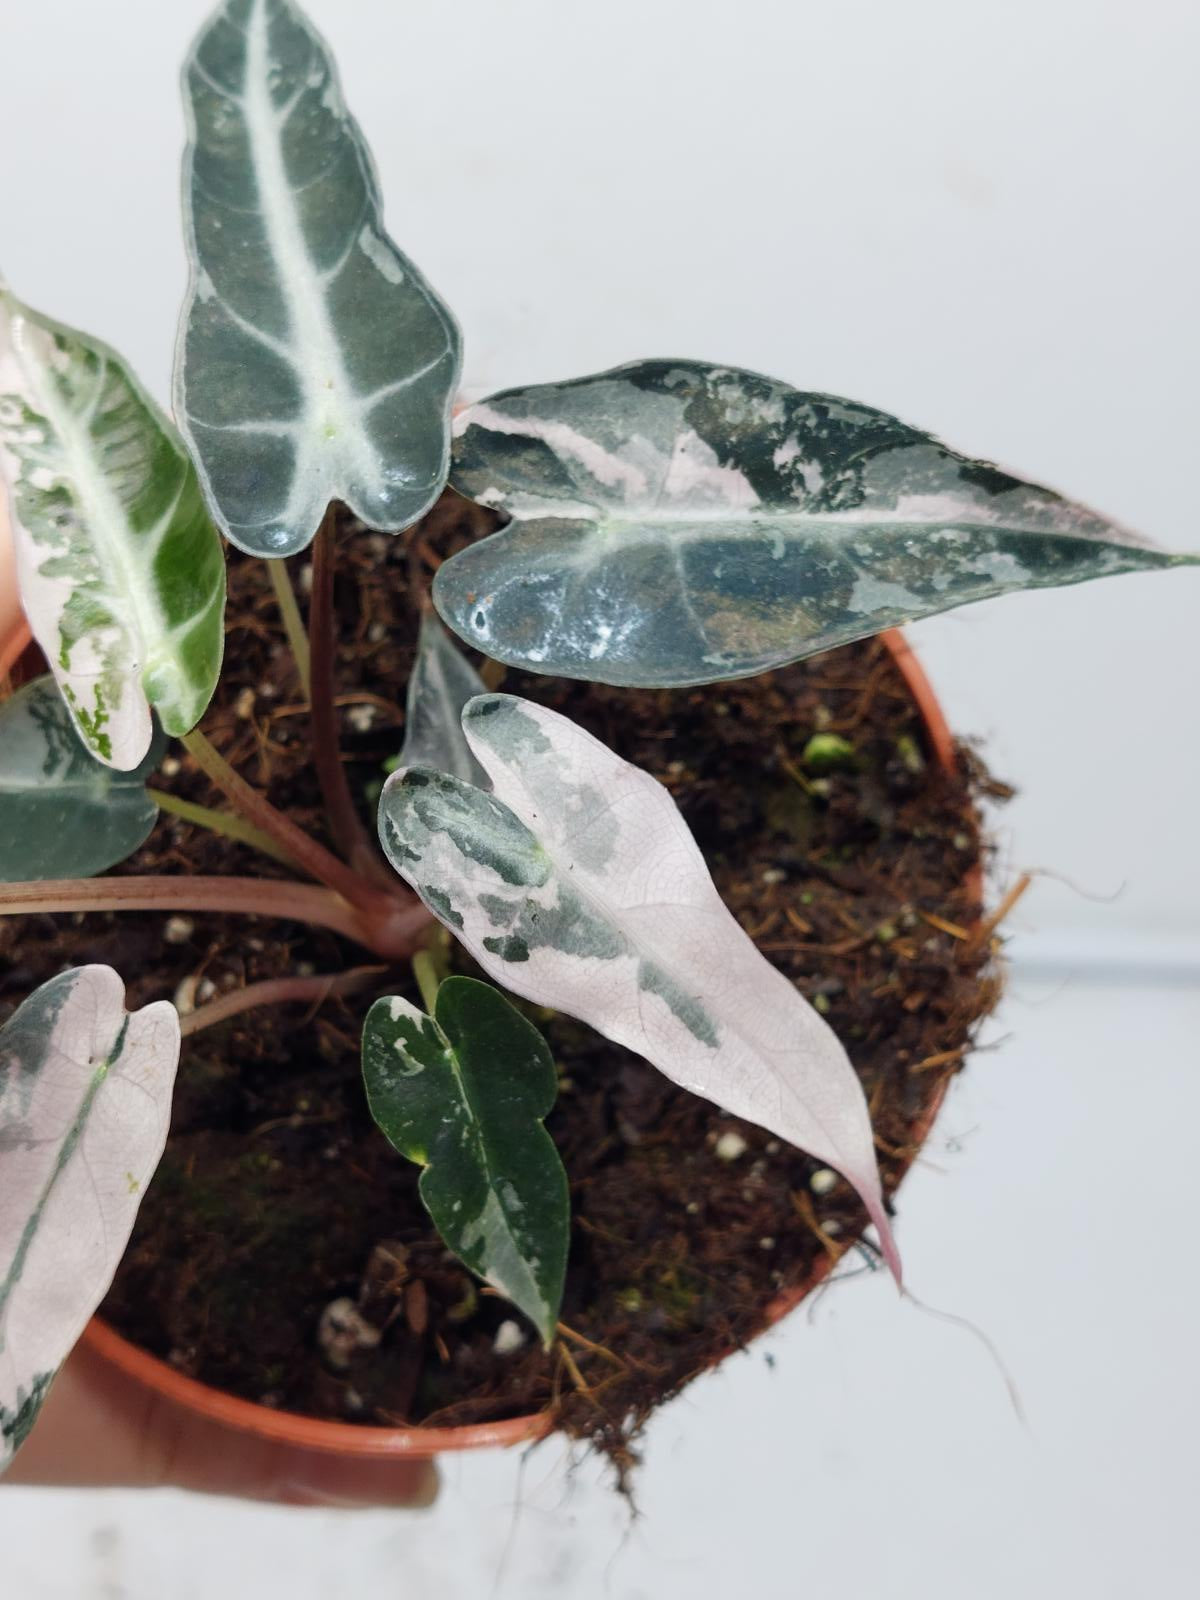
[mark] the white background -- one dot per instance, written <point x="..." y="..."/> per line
<point x="984" y="218"/>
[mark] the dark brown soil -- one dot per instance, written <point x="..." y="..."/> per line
<point x="277" y="1195"/>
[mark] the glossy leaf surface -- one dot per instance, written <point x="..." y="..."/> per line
<point x="677" y="523"/>
<point x="121" y="572"/>
<point x="85" y="1099"/>
<point x="463" y="1093"/>
<point x="441" y="683"/>
<point x="315" y="363"/>
<point x="577" y="884"/>
<point x="63" y="814"/>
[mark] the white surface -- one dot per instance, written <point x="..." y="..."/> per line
<point x="983" y="217"/>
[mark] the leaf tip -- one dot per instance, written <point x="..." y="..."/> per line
<point x="887" y="1238"/>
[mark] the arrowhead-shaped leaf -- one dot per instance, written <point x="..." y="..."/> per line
<point x="577" y="884"/>
<point x="63" y="814"/>
<point x="464" y="1093"/>
<point x="315" y="362"/>
<point x="85" y="1099"/>
<point x="677" y="523"/>
<point x="121" y="572"/>
<point x="441" y="683"/>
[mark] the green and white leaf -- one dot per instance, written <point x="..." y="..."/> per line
<point x="85" y="1100"/>
<point x="314" y="363"/>
<point x="677" y="523"/>
<point x="441" y="683"/>
<point x="577" y="885"/>
<point x="121" y="572"/>
<point x="63" y="814"/>
<point x="463" y="1093"/>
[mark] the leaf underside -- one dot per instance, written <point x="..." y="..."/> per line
<point x="677" y="523"/>
<point x="315" y="363"/>
<point x="121" y="572"/>
<point x="576" y="884"/>
<point x="463" y="1093"/>
<point x="441" y="683"/>
<point x="85" y="1097"/>
<point x="63" y="814"/>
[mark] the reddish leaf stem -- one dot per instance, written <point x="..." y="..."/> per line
<point x="278" y="992"/>
<point x="312" y="856"/>
<point x="349" y="834"/>
<point x="389" y="929"/>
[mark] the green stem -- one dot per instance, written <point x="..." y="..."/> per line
<point x="425" y="972"/>
<point x="278" y="992"/>
<point x="224" y="823"/>
<point x="318" y="862"/>
<point x="293" y="623"/>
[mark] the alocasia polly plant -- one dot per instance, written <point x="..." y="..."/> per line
<point x="669" y="523"/>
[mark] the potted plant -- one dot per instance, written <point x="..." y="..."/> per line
<point x="681" y="545"/>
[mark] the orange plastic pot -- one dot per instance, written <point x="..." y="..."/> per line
<point x="347" y="1439"/>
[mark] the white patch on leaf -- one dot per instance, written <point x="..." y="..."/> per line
<point x="380" y="257"/>
<point x="85" y="1096"/>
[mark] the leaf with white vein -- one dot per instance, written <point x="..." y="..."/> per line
<point x="441" y="683"/>
<point x="85" y="1100"/>
<point x="315" y="363"/>
<point x="576" y="884"/>
<point x="464" y="1093"/>
<point x="677" y="523"/>
<point x="121" y="572"/>
<point x="63" y="814"/>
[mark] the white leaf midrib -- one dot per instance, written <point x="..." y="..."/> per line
<point x="314" y="342"/>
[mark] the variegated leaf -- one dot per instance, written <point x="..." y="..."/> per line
<point x="63" y="814"/>
<point x="315" y="363"/>
<point x="463" y="1093"/>
<point x="85" y="1099"/>
<point x="121" y="572"/>
<point x="577" y="885"/>
<point x="441" y="683"/>
<point x="677" y="523"/>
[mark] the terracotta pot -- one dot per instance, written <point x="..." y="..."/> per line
<point x="348" y="1439"/>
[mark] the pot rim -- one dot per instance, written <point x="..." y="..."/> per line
<point x="353" y="1440"/>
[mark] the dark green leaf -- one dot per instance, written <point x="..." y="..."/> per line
<point x="463" y="1093"/>
<point x="62" y="813"/>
